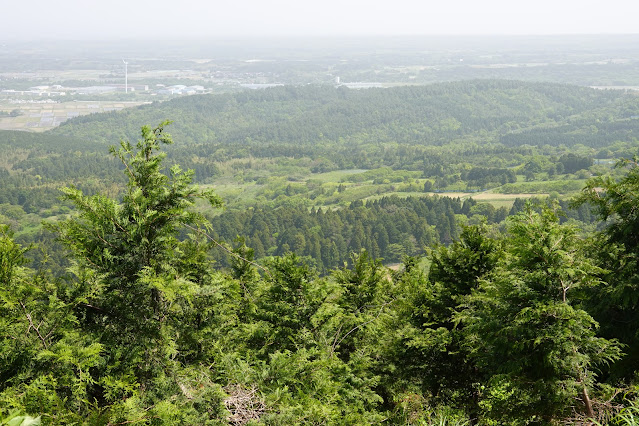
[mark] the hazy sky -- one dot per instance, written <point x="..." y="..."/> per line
<point x="102" y="19"/>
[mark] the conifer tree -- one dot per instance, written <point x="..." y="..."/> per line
<point x="525" y="328"/>
<point x="149" y="295"/>
<point x="616" y="304"/>
<point x="133" y="246"/>
<point x="44" y="360"/>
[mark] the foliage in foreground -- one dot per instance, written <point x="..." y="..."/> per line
<point x="145" y="330"/>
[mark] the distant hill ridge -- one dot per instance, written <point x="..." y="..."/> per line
<point x="493" y="110"/>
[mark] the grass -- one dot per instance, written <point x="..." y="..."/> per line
<point x="568" y="186"/>
<point x="334" y="176"/>
<point x="321" y="189"/>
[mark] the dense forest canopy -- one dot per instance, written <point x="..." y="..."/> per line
<point x="278" y="147"/>
<point x="503" y="330"/>
<point x="421" y="115"/>
<point x="485" y="122"/>
<point x="151" y="300"/>
<point x="359" y="128"/>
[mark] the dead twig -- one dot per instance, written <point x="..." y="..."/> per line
<point x="32" y="326"/>
<point x="226" y="249"/>
<point x="243" y="404"/>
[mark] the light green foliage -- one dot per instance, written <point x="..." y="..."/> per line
<point x="525" y="329"/>
<point x="144" y="330"/>
<point x="367" y="297"/>
<point x="414" y="409"/>
<point x="14" y="419"/>
<point x="141" y="293"/>
<point x="628" y="416"/>
<point x="423" y="346"/>
<point x="44" y="362"/>
<point x="295" y="346"/>
<point x="615" y="304"/>
<point x="616" y="199"/>
<point x="287" y="302"/>
<point x="145" y="275"/>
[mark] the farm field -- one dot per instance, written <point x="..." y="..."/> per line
<point x="42" y="116"/>
<point x="503" y="200"/>
<point x="272" y="189"/>
<point x="496" y="199"/>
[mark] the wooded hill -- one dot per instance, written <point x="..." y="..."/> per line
<point x="298" y="148"/>
<point x="487" y="122"/>
<point x="315" y="120"/>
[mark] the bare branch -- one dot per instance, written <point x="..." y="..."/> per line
<point x="32" y="326"/>
<point x="226" y="249"/>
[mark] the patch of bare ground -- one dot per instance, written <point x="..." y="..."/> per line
<point x="495" y="196"/>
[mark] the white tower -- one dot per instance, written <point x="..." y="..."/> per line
<point x="126" y="76"/>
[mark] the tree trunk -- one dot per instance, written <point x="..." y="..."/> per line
<point x="587" y="403"/>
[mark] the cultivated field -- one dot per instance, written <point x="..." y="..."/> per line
<point x="496" y="199"/>
<point x="41" y="116"/>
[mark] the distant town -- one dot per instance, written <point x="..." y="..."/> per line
<point x="54" y="83"/>
<point x="57" y="90"/>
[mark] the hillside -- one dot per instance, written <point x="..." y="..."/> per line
<point x="486" y="123"/>
<point x="416" y="115"/>
<point x="320" y="147"/>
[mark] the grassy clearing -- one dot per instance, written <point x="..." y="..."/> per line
<point x="503" y="200"/>
<point x="334" y="176"/>
<point x="286" y="181"/>
<point x="568" y="186"/>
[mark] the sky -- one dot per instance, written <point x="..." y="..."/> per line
<point x="101" y="19"/>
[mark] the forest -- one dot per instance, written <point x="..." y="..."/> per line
<point x="287" y="151"/>
<point x="319" y="255"/>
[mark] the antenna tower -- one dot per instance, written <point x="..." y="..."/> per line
<point x="126" y="76"/>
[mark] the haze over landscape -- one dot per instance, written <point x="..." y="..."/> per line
<point x="339" y="212"/>
<point x="164" y="19"/>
